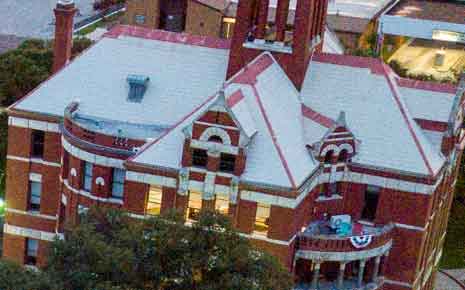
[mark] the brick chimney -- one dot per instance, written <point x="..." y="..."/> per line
<point x="250" y="35"/>
<point x="64" y="15"/>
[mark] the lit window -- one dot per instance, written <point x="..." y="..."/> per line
<point x="154" y="201"/>
<point x="262" y="218"/>
<point x="32" y="247"/>
<point x="35" y="189"/>
<point x="227" y="162"/>
<point x="222" y="204"/>
<point x="117" y="188"/>
<point x="88" y="176"/>
<point x="38" y="138"/>
<point x="228" y="27"/>
<point x="194" y="206"/>
<point x="199" y="158"/>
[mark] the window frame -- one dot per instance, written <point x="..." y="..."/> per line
<point x="192" y="211"/>
<point x="154" y="199"/>
<point x="203" y="158"/>
<point x="32" y="204"/>
<point x="37" y="141"/>
<point x="368" y="213"/>
<point x="262" y="221"/>
<point x="118" y="183"/>
<point x="86" y="177"/>
<point x="227" y="166"/>
<point x="31" y="253"/>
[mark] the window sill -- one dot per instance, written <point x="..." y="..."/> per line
<point x="322" y="198"/>
<point x="271" y="46"/>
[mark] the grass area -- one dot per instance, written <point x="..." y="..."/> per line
<point x="104" y="22"/>
<point x="454" y="247"/>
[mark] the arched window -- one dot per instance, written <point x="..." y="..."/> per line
<point x="216" y="139"/>
<point x="329" y="156"/>
<point x="343" y="155"/>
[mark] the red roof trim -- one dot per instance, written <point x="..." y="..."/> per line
<point x="155" y="34"/>
<point x="432" y="125"/>
<point x="428" y="86"/>
<point x="404" y="115"/>
<point x="148" y="145"/>
<point x="235" y="98"/>
<point x="273" y="136"/>
<point x="248" y="75"/>
<point x="374" y="64"/>
<point x="317" y="117"/>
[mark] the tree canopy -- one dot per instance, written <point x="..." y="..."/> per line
<point x="111" y="250"/>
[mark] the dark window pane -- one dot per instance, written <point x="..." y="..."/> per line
<point x="371" y="203"/>
<point x="117" y="189"/>
<point x="38" y="138"/>
<point x="35" y="189"/>
<point x="199" y="158"/>
<point x="227" y="162"/>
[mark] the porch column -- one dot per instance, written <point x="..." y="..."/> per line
<point x="316" y="275"/>
<point x="262" y="19"/>
<point x="376" y="269"/>
<point x="340" y="277"/>
<point x="282" y="12"/>
<point x="361" y="271"/>
<point x="383" y="264"/>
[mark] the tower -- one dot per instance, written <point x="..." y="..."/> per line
<point x="64" y="14"/>
<point x="256" y="32"/>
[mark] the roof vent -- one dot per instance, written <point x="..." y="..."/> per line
<point x="137" y="87"/>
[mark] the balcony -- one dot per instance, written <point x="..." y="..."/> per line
<point x="351" y="258"/>
<point x="320" y="237"/>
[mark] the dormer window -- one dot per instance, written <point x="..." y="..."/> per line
<point x="329" y="157"/>
<point x="216" y="139"/>
<point x="137" y="86"/>
<point x="227" y="162"/>
<point x="343" y="155"/>
<point x="199" y="158"/>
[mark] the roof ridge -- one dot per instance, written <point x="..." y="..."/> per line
<point x="392" y="85"/>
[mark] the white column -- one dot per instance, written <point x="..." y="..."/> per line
<point x="361" y="271"/>
<point x="316" y="274"/>
<point x="340" y="277"/>
<point x="376" y="269"/>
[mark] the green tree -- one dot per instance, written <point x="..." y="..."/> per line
<point x="15" y="277"/>
<point x="110" y="250"/>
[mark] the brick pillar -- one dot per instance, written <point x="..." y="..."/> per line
<point x="282" y="13"/>
<point x="213" y="163"/>
<point x="64" y="15"/>
<point x="262" y="18"/>
<point x="208" y="204"/>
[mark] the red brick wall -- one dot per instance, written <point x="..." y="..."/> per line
<point x="14" y="248"/>
<point x="17" y="184"/>
<point x="246" y="216"/>
<point x="135" y="196"/>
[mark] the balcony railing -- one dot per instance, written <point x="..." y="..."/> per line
<point x="320" y="237"/>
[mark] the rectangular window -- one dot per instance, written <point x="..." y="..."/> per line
<point x="35" y="189"/>
<point x="194" y="205"/>
<point x="88" y="167"/>
<point x="117" y="187"/>
<point x="199" y="158"/>
<point x="227" y="162"/>
<point x="154" y="201"/>
<point x="371" y="203"/>
<point x="222" y="204"/>
<point x="32" y="248"/>
<point x="140" y="19"/>
<point x="38" y="140"/>
<point x="262" y="218"/>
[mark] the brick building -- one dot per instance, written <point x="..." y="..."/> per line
<point x="214" y="18"/>
<point x="333" y="163"/>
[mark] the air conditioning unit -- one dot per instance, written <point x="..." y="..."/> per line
<point x="337" y="220"/>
